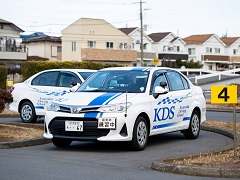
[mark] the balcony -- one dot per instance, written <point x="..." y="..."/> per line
<point x="172" y="55"/>
<point x="13" y="55"/>
<point x="219" y="58"/>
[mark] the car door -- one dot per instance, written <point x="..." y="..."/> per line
<point x="44" y="90"/>
<point x="166" y="114"/>
<point x="67" y="79"/>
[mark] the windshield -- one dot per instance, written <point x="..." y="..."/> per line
<point x="85" y="75"/>
<point x="116" y="81"/>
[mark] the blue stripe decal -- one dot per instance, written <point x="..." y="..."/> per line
<point x="113" y="98"/>
<point x="39" y="107"/>
<point x="90" y="115"/>
<point x="186" y="119"/>
<point x="101" y="99"/>
<point x="107" y="97"/>
<point x="163" y="125"/>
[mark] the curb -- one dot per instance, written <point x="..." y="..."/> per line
<point x="25" y="142"/>
<point x="199" y="170"/>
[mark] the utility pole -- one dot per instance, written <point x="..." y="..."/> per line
<point x="141" y="31"/>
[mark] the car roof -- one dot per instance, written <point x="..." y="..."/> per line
<point x="137" y="68"/>
<point x="78" y="70"/>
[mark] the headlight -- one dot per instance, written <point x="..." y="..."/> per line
<point x="115" y="107"/>
<point x="53" y="107"/>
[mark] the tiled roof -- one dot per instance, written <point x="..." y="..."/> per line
<point x="229" y="40"/>
<point x="127" y="31"/>
<point x="2" y="21"/>
<point x="156" y="37"/>
<point x="174" y="39"/>
<point x="197" y="39"/>
<point x="44" y="38"/>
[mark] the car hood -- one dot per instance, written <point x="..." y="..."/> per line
<point x="94" y="98"/>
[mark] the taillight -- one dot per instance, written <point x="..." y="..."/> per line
<point x="11" y="89"/>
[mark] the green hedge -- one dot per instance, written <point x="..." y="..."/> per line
<point x="29" y="68"/>
<point x="3" y="76"/>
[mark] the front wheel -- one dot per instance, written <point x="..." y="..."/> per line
<point x="61" y="142"/>
<point x="140" y="134"/>
<point x="27" y="112"/>
<point x="194" y="127"/>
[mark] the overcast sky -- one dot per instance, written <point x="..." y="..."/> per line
<point x="182" y="17"/>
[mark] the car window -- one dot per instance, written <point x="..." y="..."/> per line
<point x="85" y="75"/>
<point x="185" y="83"/>
<point x="46" y="79"/>
<point x="66" y="79"/>
<point x="175" y="80"/>
<point x="158" y="80"/>
<point x="117" y="81"/>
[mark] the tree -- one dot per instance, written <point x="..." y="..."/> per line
<point x="187" y="64"/>
<point x="5" y="98"/>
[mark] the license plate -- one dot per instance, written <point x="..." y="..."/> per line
<point x="74" y="126"/>
<point x="107" y="123"/>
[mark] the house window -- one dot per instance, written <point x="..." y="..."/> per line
<point x="208" y="50"/>
<point x="109" y="45"/>
<point x="1" y="26"/>
<point x="178" y="48"/>
<point x="59" y="49"/>
<point x="145" y="46"/>
<point x="73" y="45"/>
<point x="191" y="51"/>
<point x="235" y="51"/>
<point x="217" y="50"/>
<point x="210" y="67"/>
<point x="91" y="44"/>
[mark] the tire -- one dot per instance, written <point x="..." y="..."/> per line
<point x="194" y="127"/>
<point x="61" y="142"/>
<point x="140" y="134"/>
<point x="27" y="112"/>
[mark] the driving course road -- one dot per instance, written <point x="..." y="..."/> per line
<point x="93" y="160"/>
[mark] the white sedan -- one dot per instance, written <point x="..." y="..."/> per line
<point x="127" y="104"/>
<point x="31" y="97"/>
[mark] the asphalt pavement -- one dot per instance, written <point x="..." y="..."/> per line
<point x="156" y="164"/>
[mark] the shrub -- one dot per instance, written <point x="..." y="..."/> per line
<point x="5" y="98"/>
<point x="3" y="76"/>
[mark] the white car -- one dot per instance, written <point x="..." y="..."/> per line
<point x="127" y="104"/>
<point x="31" y="97"/>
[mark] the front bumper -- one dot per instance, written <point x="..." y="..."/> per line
<point x="55" y="127"/>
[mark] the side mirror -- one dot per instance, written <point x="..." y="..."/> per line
<point x="74" y="83"/>
<point x="159" y="90"/>
<point x="74" y="88"/>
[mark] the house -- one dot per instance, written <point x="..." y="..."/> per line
<point x="208" y="49"/>
<point x="12" y="53"/>
<point x="98" y="41"/>
<point x="168" y="47"/>
<point x="148" y="53"/>
<point x="233" y="51"/>
<point x="43" y="48"/>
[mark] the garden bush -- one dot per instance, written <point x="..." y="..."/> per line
<point x="5" y="98"/>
